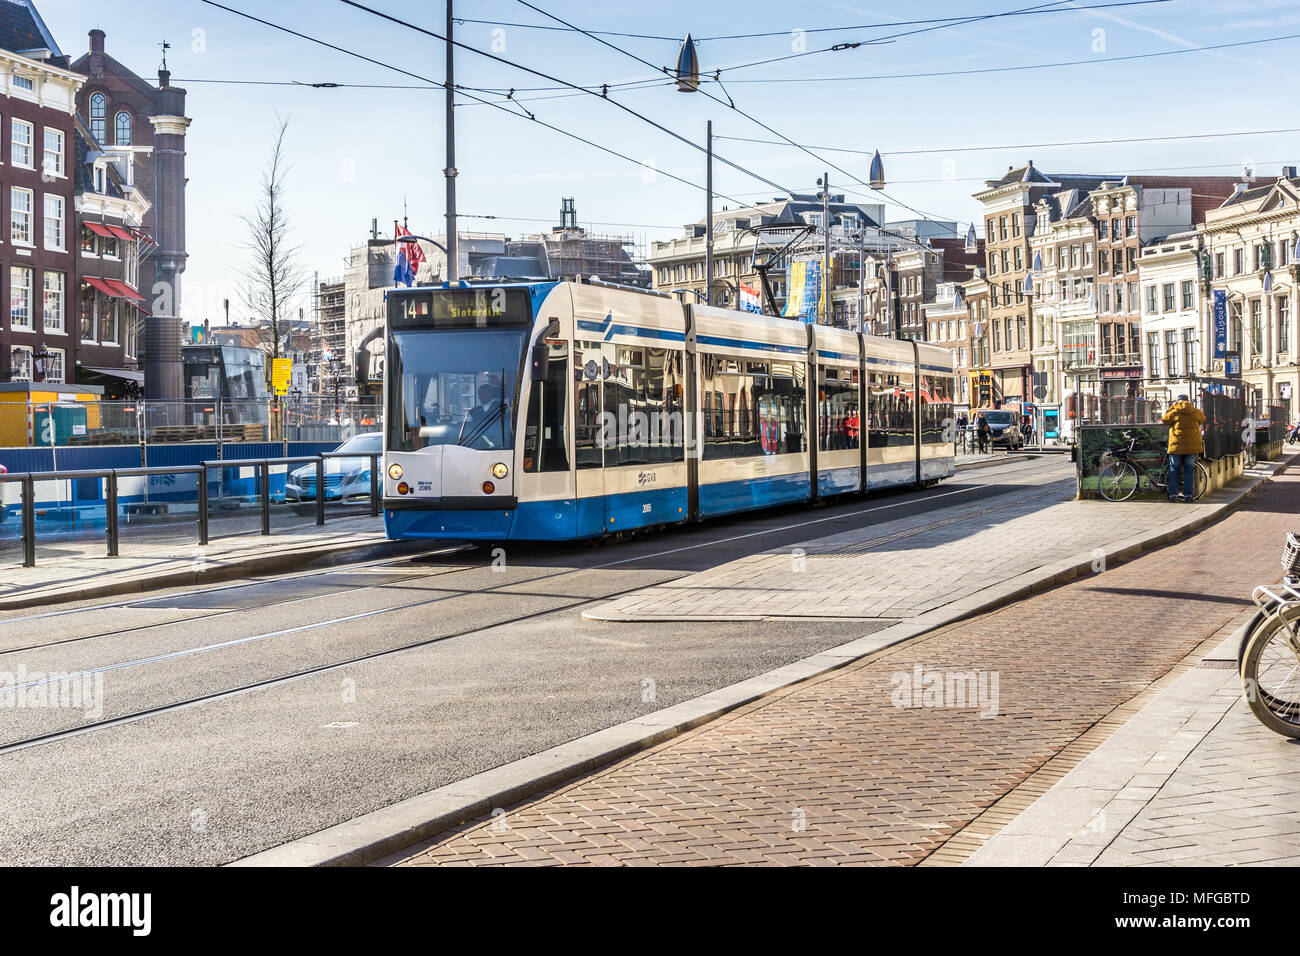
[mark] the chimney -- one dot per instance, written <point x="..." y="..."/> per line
<point x="96" y="41"/>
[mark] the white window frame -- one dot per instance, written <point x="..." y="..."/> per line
<point x="59" y="221"/>
<point x="14" y="144"/>
<point x="56" y="323"/>
<point x="14" y="289"/>
<point x="50" y="364"/>
<point x="53" y="163"/>
<point x="17" y="79"/>
<point x="14" y="351"/>
<point x="14" y="193"/>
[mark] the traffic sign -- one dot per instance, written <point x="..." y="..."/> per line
<point x="281" y="373"/>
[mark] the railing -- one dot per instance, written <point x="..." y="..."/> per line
<point x="203" y="495"/>
<point x="69" y="423"/>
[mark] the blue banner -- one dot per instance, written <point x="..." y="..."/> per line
<point x="1220" y="323"/>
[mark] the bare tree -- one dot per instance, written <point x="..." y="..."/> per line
<point x="273" y="277"/>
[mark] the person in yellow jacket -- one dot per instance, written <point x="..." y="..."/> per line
<point x="1185" y="443"/>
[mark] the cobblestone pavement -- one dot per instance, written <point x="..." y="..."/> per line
<point x="845" y="770"/>
<point x="1192" y="780"/>
<point x="910" y="568"/>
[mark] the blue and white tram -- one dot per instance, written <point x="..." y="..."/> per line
<point x="567" y="410"/>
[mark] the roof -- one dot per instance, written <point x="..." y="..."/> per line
<point x="21" y="28"/>
<point x="82" y="65"/>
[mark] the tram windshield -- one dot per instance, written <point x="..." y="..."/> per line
<point x="453" y="363"/>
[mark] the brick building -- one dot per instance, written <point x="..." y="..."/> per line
<point x="37" y="268"/>
<point x="143" y="128"/>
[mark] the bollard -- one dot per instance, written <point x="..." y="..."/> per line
<point x="320" y="489"/>
<point x="374" y="486"/>
<point x="264" y="471"/>
<point x="110" y="512"/>
<point x="29" y="522"/>
<point x="203" y="504"/>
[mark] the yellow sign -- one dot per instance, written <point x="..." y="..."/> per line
<point x="281" y="372"/>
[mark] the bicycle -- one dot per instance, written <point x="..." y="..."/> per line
<point x="1122" y="474"/>
<point x="1269" y="654"/>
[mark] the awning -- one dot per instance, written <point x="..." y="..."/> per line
<point x="102" y="286"/>
<point x="122" y="373"/>
<point x="100" y="230"/>
<point x="123" y="290"/>
<point x="121" y="233"/>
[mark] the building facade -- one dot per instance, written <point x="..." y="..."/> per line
<point x="1174" y="328"/>
<point x="38" y="90"/>
<point x="143" y="127"/>
<point x="1251" y="241"/>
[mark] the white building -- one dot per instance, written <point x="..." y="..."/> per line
<point x="1175" y="330"/>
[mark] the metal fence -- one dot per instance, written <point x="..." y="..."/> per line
<point x="69" y="423"/>
<point x="210" y="496"/>
<point x="1117" y="409"/>
<point x="1225" y="417"/>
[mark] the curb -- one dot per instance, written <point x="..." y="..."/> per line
<point x="380" y="833"/>
<point x="214" y="572"/>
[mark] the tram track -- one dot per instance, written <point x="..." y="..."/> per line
<point x="54" y="736"/>
<point x="362" y="567"/>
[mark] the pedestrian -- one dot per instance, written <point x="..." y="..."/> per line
<point x="982" y="432"/>
<point x="1185" y="443"/>
<point x="1029" y="430"/>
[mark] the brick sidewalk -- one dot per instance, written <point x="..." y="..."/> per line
<point x="832" y="772"/>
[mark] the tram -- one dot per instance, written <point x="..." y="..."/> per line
<point x="567" y="410"/>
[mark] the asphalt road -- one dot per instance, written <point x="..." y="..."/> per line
<point x="245" y="715"/>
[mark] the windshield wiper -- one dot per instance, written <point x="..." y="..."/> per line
<point x="481" y="427"/>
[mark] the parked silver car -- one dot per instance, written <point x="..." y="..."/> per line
<point x="344" y="477"/>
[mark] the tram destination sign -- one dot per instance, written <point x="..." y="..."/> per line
<point x="475" y="308"/>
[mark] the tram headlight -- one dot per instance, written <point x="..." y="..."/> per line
<point x="395" y="471"/>
<point x="499" y="470"/>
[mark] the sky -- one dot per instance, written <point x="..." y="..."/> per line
<point x="358" y="154"/>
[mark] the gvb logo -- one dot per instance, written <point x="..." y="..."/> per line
<point x="75" y="909"/>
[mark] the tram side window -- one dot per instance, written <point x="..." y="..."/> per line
<point x="936" y="407"/>
<point x="752" y="408"/>
<point x="643" y="421"/>
<point x="889" y="403"/>
<point x="546" y="429"/>
<point x="586" y="409"/>
<point x="838" y="422"/>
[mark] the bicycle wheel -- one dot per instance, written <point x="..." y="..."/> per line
<point x="1270" y="673"/>
<point x="1117" y="481"/>
<point x="1202" y="484"/>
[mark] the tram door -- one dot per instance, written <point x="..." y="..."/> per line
<point x="591" y="362"/>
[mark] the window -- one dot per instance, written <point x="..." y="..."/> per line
<point x="1103" y="262"/>
<point x="24" y="83"/>
<point x="891" y="413"/>
<point x="1074" y="257"/>
<point x="54" y="238"/>
<point x="1006" y="261"/>
<point x="20" y="297"/>
<point x="1218" y="265"/>
<point x="1283" y="323"/>
<point x="1020" y="258"/>
<point x="997" y="336"/>
<point x="1189" y="294"/>
<point x="53" y="370"/>
<point x="110" y="314"/>
<point x="838" y="421"/>
<point x="1132" y="226"/>
<point x="109" y="248"/>
<point x="752" y="408"/>
<point x="1119" y="297"/>
<point x="21" y="215"/>
<point x="1107" y="348"/>
<point x="88" y="298"/>
<point x="1135" y="339"/>
<point x="1103" y="230"/>
<point x="1105" y="299"/>
<point x="1087" y="254"/>
<point x="1020" y="332"/>
<point x="1153" y="354"/>
<point x="1234" y="325"/>
<point x="20" y="364"/>
<point x="52" y="163"/>
<point x="1238" y="261"/>
<point x="1006" y="333"/>
<point x="88" y="247"/>
<point x="1256" y="327"/>
<point x="1002" y="228"/>
<point x="1171" y="353"/>
<point x="20" y="145"/>
<point x="1151" y="297"/>
<point x="1189" y="351"/>
<point x="1168" y="297"/>
<point x="55" y="302"/>
<point x="99" y="118"/>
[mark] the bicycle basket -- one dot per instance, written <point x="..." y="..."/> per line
<point x="1291" y="555"/>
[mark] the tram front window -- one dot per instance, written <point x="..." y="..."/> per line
<point x="453" y="388"/>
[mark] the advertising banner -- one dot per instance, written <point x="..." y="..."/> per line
<point x="1220" y="323"/>
<point x="805" y="295"/>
